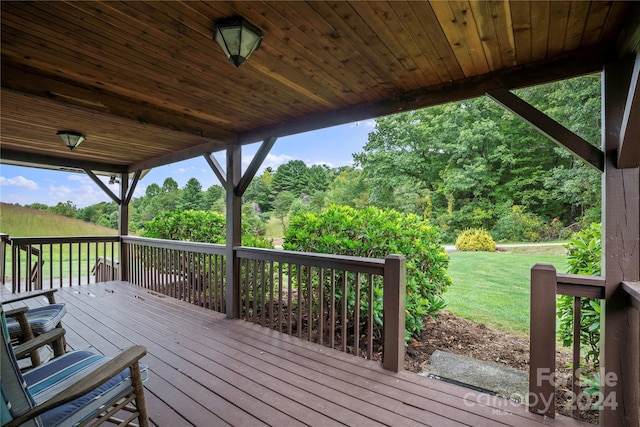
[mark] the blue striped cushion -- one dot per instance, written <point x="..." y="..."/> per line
<point x="56" y="375"/>
<point x="41" y="319"/>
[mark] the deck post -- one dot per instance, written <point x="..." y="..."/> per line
<point x="620" y="341"/>
<point x="542" y="344"/>
<point x="123" y="227"/>
<point x="234" y="230"/>
<point x="394" y="302"/>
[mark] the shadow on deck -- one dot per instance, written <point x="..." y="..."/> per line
<point x="206" y="370"/>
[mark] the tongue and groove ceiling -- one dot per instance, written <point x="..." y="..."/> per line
<point x="147" y="85"/>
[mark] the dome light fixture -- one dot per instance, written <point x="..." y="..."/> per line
<point x="238" y="38"/>
<point x="71" y="139"/>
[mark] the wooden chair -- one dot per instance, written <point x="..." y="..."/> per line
<point x="24" y="323"/>
<point x="77" y="388"/>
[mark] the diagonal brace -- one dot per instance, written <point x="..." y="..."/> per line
<point x="549" y="127"/>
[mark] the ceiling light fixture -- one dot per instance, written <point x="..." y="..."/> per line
<point x="70" y="139"/>
<point x="238" y="38"/>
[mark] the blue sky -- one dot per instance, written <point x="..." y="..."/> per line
<point x="333" y="146"/>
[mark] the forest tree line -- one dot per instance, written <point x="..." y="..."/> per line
<point x="458" y="165"/>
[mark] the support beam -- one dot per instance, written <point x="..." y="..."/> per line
<point x="629" y="146"/>
<point x="103" y="187"/>
<point x="549" y="127"/>
<point x="256" y="162"/>
<point x="620" y="335"/>
<point x="123" y="227"/>
<point x="20" y="158"/>
<point x="234" y="238"/>
<point x="216" y="167"/>
<point x="132" y="188"/>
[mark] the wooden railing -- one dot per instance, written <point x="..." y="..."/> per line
<point x="298" y="293"/>
<point x="336" y="301"/>
<point x="192" y="272"/>
<point x="49" y="262"/>
<point x="546" y="284"/>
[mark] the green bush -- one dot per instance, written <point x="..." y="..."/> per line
<point x="584" y="257"/>
<point x="200" y="226"/>
<point x="518" y="226"/>
<point x="475" y="239"/>
<point x="376" y="233"/>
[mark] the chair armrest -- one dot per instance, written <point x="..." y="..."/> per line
<point x="28" y="347"/>
<point x="128" y="358"/>
<point x="16" y="312"/>
<point x="20" y="315"/>
<point x="48" y="293"/>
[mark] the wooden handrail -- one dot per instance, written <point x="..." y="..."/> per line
<point x="633" y="289"/>
<point x="204" y="248"/>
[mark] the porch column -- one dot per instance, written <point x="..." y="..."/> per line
<point x="234" y="230"/>
<point x="123" y="227"/>
<point x="620" y="346"/>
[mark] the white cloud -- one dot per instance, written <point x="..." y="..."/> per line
<point x="274" y="160"/>
<point x="81" y="196"/>
<point x="20" y="182"/>
<point x="365" y="124"/>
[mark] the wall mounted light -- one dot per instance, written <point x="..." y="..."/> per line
<point x="71" y="139"/>
<point x="238" y="38"/>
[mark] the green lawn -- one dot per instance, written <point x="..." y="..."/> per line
<point x="493" y="288"/>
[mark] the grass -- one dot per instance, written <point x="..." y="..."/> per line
<point x="18" y="221"/>
<point x="494" y="288"/>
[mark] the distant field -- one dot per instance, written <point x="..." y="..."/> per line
<point x="493" y="288"/>
<point x="18" y="221"/>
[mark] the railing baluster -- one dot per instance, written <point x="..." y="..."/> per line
<point x="332" y="321"/>
<point x="356" y="316"/>
<point x="344" y="321"/>
<point x="370" y="319"/>
<point x="299" y="294"/>
<point x="289" y="299"/>
<point x="310" y="303"/>
<point x="321" y="306"/>
<point x="575" y="385"/>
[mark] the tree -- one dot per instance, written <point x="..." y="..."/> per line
<point x="348" y="189"/>
<point x="191" y="197"/>
<point x="169" y="185"/>
<point x="292" y="176"/>
<point x="214" y="198"/>
<point x="153" y="190"/>
<point x="259" y="192"/>
<point x="282" y="205"/>
<point x="66" y="209"/>
<point x="470" y="162"/>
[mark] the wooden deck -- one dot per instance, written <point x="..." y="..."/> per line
<point x="206" y="370"/>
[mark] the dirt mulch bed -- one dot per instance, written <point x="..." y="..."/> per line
<point x="461" y="336"/>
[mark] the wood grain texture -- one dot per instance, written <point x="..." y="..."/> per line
<point x="148" y="86"/>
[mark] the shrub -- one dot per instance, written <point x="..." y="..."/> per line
<point x="518" y="226"/>
<point x="372" y="232"/>
<point x="199" y="226"/>
<point x="475" y="239"/>
<point x="584" y="257"/>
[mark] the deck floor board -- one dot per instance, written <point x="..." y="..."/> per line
<point x="206" y="370"/>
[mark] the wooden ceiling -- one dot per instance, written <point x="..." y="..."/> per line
<point x="147" y="85"/>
